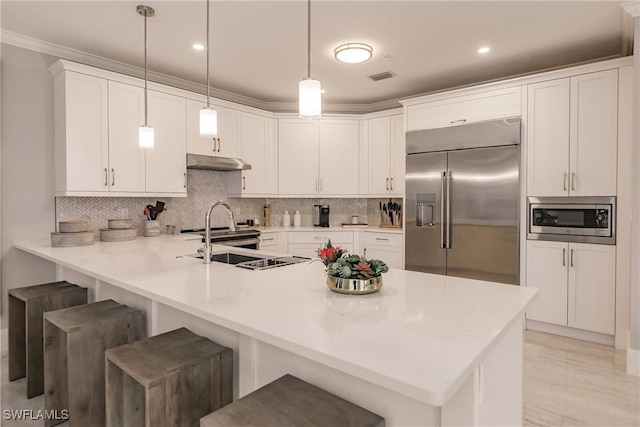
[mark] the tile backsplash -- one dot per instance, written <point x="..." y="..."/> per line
<point x="203" y="188"/>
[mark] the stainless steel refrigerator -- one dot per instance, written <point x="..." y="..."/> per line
<point x="462" y="196"/>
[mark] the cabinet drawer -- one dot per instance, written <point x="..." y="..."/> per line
<point x="337" y="237"/>
<point x="382" y="239"/>
<point x="465" y="109"/>
<point x="268" y="239"/>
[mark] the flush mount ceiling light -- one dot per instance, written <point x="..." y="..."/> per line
<point x="353" y="53"/>
<point x="309" y="90"/>
<point x="145" y="132"/>
<point x="484" y="49"/>
<point x="208" y="116"/>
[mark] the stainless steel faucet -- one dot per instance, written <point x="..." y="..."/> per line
<point x="207" y="228"/>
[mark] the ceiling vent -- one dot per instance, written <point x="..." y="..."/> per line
<point x="382" y="76"/>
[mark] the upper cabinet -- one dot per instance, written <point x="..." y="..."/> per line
<point x="258" y="149"/>
<point x="318" y="157"/>
<point x="226" y="144"/>
<point x="432" y="112"/>
<point x="572" y="136"/>
<point x="386" y="156"/>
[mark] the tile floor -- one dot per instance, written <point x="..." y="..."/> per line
<point x="567" y="382"/>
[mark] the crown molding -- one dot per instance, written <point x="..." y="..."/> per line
<point x="632" y="8"/>
<point x="85" y="58"/>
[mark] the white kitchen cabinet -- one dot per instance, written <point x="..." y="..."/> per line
<point x="307" y="243"/>
<point x="386" y="156"/>
<point x="318" y="157"/>
<point x="81" y="133"/>
<point x="385" y="247"/>
<point x="572" y="136"/>
<point x="226" y="144"/>
<point x="258" y="150"/>
<point x="576" y="283"/>
<point x="456" y="110"/>
<point x="165" y="164"/>
<point x="126" y="159"/>
<point x="269" y="241"/>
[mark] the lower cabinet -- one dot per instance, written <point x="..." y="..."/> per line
<point x="307" y="243"/>
<point x="576" y="284"/>
<point x="386" y="247"/>
<point x="269" y="241"/>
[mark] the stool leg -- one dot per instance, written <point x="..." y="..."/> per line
<point x="35" y="349"/>
<point x="17" y="339"/>
<point x="55" y="367"/>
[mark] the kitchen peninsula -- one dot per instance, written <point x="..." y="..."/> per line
<point x="425" y="350"/>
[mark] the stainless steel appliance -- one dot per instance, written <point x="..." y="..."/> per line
<point x="573" y="219"/>
<point x="462" y="193"/>
<point x="324" y="216"/>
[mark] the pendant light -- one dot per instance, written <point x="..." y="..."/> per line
<point x="145" y="133"/>
<point x="309" y="90"/>
<point x="208" y="116"/>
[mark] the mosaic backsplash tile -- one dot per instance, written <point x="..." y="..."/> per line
<point x="204" y="188"/>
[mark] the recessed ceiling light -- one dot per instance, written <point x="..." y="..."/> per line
<point x="198" y="46"/>
<point x="484" y="49"/>
<point x="353" y="53"/>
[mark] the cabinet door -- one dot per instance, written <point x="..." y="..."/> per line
<point x="389" y="255"/>
<point x="126" y="159"/>
<point x="592" y="287"/>
<point x="197" y="144"/>
<point x="82" y="135"/>
<point x="166" y="164"/>
<point x="594" y="134"/>
<point x="228" y="132"/>
<point x="298" y="156"/>
<point x="547" y="271"/>
<point x="379" y="155"/>
<point x="398" y="157"/>
<point x="338" y="156"/>
<point x="548" y="139"/>
<point x="255" y="130"/>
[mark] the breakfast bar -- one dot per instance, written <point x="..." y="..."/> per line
<point x="424" y="350"/>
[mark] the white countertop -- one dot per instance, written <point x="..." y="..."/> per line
<point x="422" y="335"/>
<point x="332" y="228"/>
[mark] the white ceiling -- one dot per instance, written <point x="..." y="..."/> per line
<point x="258" y="48"/>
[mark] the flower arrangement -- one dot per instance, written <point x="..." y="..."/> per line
<point x="340" y="264"/>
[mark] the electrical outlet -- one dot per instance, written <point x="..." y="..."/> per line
<point x="238" y="211"/>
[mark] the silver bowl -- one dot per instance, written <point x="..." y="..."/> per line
<point x="354" y="286"/>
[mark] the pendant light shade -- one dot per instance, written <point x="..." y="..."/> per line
<point x="310" y="98"/>
<point x="145" y="133"/>
<point x="309" y="90"/>
<point x="208" y="122"/>
<point x="208" y="116"/>
<point x="145" y="137"/>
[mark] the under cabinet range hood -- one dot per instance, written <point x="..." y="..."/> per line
<point x="213" y="163"/>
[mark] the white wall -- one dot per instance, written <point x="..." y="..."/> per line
<point x="27" y="166"/>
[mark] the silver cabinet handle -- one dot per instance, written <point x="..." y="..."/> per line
<point x="365" y="253"/>
<point x="387" y="184"/>
<point x="266" y="240"/>
<point x="113" y="177"/>
<point x="391" y="181"/>
<point x="458" y="121"/>
<point x="573" y="181"/>
<point x="106" y="177"/>
<point x="244" y="183"/>
<point x="564" y="257"/>
<point x="316" y="185"/>
<point x="381" y="239"/>
<point x="219" y="144"/>
<point x="442" y="223"/>
<point x="318" y="238"/>
<point x="571" y="256"/>
<point x="564" y="182"/>
<point x="185" y="180"/>
<point x="449" y="176"/>
<point x="215" y="146"/>
<point x="320" y="184"/>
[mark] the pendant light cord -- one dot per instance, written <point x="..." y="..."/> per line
<point x="309" y="39"/>
<point x="146" y="12"/>
<point x="207" y="53"/>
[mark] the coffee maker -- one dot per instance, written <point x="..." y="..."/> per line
<point x="324" y="215"/>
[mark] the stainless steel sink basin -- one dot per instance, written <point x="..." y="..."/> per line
<point x="231" y="258"/>
<point x="251" y="262"/>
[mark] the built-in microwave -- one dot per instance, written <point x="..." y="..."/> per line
<point x="573" y="219"/>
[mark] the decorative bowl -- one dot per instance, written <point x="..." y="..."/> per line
<point x="354" y="286"/>
<point x="73" y="226"/>
<point x="120" y="224"/>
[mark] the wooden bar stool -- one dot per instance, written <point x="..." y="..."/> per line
<point x="172" y="379"/>
<point x="26" y="307"/>
<point x="291" y="402"/>
<point x="75" y="342"/>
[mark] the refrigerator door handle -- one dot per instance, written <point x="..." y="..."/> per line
<point x="449" y="210"/>
<point x="443" y="177"/>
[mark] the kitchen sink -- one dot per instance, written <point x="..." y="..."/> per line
<point x="231" y="258"/>
<point x="253" y="262"/>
